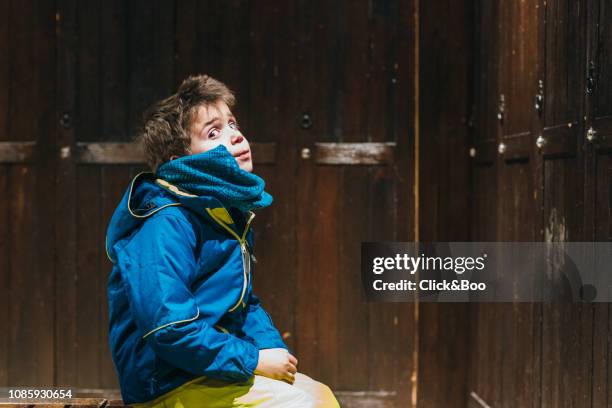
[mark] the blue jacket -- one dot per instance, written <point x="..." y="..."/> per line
<point x="180" y="297"/>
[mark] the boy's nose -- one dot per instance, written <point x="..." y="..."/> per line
<point x="236" y="138"/>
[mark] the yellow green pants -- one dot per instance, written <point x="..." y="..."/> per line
<point x="259" y="391"/>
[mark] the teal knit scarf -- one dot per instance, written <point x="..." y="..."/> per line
<point x="216" y="173"/>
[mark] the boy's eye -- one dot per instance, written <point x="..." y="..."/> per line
<point x="233" y="125"/>
<point x="213" y="133"/>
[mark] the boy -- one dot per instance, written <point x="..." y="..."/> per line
<point x="186" y="329"/>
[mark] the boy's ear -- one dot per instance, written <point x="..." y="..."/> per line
<point x="174" y="157"/>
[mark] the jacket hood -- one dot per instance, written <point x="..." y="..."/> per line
<point x="144" y="197"/>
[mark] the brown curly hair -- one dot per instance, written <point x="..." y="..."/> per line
<point x="165" y="131"/>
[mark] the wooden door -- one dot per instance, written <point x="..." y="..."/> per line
<point x="597" y="139"/>
<point x="552" y="185"/>
<point x="484" y="337"/>
<point x="354" y="163"/>
<point x="566" y="329"/>
<point x="325" y="96"/>
<point x="27" y="159"/>
<point x="503" y="356"/>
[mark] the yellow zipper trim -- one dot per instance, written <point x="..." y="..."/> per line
<point x="106" y="249"/>
<point x="223" y="329"/>
<point x="220" y="222"/>
<point x="248" y="224"/>
<point x="132" y="212"/>
<point x="171" y="323"/>
<point x="245" y="280"/>
<point x="242" y="241"/>
<point x="173" y="188"/>
<point x="149" y="213"/>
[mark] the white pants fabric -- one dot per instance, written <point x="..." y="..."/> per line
<point x="259" y="391"/>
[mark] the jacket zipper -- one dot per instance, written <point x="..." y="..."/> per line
<point x="243" y="250"/>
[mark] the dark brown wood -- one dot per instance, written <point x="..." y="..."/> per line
<point x="560" y="140"/>
<point x="405" y="119"/>
<point x="89" y="290"/>
<point x="328" y="272"/>
<point x="351" y="67"/>
<point x="354" y="229"/>
<point x="272" y="81"/>
<point x="5" y="276"/>
<point x="65" y="204"/>
<point x="446" y="46"/>
<point x="311" y="55"/>
<point x="115" y="74"/>
<point x="28" y="272"/>
<point x="6" y="28"/>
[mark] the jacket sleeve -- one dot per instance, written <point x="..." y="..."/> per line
<point x="156" y="267"/>
<point x="259" y="326"/>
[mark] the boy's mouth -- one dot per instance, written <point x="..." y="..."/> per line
<point x="242" y="155"/>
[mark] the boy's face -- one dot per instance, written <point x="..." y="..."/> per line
<point x="213" y="125"/>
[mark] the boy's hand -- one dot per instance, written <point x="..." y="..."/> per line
<point x="277" y="364"/>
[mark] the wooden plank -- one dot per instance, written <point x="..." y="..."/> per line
<point x="406" y="134"/>
<point x="112" y="182"/>
<point x="485" y="152"/>
<point x="447" y="49"/>
<point x="185" y="32"/>
<point x="517" y="147"/>
<point x="17" y="152"/>
<point x="109" y="153"/>
<point x="142" y="63"/>
<point x="366" y="399"/>
<point x="210" y="33"/>
<point x="161" y="30"/>
<point x="567" y="354"/>
<point x="285" y="151"/>
<point x="519" y="350"/>
<point x="232" y="52"/>
<point x="603" y="135"/>
<point x="27" y="287"/>
<point x="6" y="29"/>
<point x="519" y="62"/>
<point x="327" y="278"/>
<point x="65" y="203"/>
<point x="114" y="78"/>
<point x="43" y="279"/>
<point x="275" y="278"/>
<point x="311" y="67"/>
<point x="24" y="67"/>
<point x="265" y="153"/>
<point x="269" y="52"/>
<point x="31" y="267"/>
<point x="560" y="140"/>
<point x="354" y="153"/>
<point x="352" y="59"/>
<point x="87" y="118"/>
<point x="602" y="95"/>
<point x="305" y="317"/>
<point x="353" y="219"/>
<point x="564" y="62"/>
<point x="5" y="277"/>
<point x="130" y="153"/>
<point x="383" y="354"/>
<point x="384" y="25"/>
<point x="89" y="290"/>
